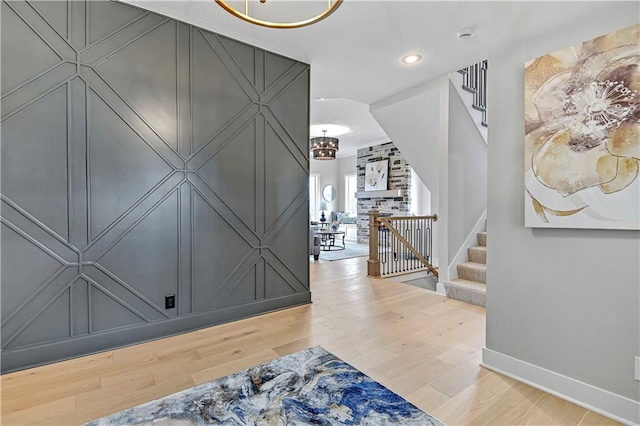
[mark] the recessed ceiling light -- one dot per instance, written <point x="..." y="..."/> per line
<point x="411" y="58"/>
<point x="332" y="130"/>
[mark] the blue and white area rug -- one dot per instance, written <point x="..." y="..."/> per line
<point x="310" y="387"/>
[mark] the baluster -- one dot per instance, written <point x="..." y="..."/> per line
<point x="424" y="238"/>
<point x="403" y="262"/>
<point x="380" y="253"/>
<point x="405" y="258"/>
<point x="392" y="252"/>
<point x="429" y="240"/>
<point x="407" y="261"/>
<point x="398" y="249"/>
<point x="417" y="244"/>
<point x="419" y="239"/>
<point x="386" y="250"/>
<point x="480" y="87"/>
<point x="477" y="95"/>
<point x="484" y="115"/>
<point x="412" y="230"/>
<point x="421" y="236"/>
<point x="423" y="246"/>
<point x="397" y="252"/>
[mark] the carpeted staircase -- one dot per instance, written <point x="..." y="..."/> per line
<point x="471" y="284"/>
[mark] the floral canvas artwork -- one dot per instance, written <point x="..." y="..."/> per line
<point x="375" y="175"/>
<point x="582" y="135"/>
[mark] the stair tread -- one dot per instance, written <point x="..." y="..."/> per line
<point x="467" y="291"/>
<point x="474" y="265"/>
<point x="477" y="254"/>
<point x="482" y="239"/>
<point x="469" y="89"/>
<point x="469" y="283"/>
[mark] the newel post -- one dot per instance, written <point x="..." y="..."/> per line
<point x="373" y="264"/>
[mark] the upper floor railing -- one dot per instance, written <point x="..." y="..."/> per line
<point x="474" y="80"/>
<point x="400" y="244"/>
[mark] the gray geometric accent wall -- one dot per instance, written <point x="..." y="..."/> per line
<point x="143" y="157"/>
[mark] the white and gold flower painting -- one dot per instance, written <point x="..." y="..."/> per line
<point x="582" y="135"/>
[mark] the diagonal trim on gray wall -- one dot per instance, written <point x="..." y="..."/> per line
<point x="143" y="157"/>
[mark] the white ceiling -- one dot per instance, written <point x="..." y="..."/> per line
<point x="364" y="130"/>
<point x="355" y="53"/>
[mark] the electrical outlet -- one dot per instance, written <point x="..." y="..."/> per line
<point x="636" y="370"/>
<point x="170" y="301"/>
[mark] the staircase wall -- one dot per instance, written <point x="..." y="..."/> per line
<point x="467" y="178"/>
<point x="416" y="120"/>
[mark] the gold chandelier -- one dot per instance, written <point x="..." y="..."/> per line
<point x="280" y="14"/>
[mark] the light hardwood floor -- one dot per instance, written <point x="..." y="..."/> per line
<point x="422" y="346"/>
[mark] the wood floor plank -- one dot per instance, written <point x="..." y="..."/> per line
<point x="475" y="400"/>
<point x="594" y="419"/>
<point x="454" y="381"/>
<point x="428" y="398"/>
<point x="459" y="354"/>
<point x="421" y="345"/>
<point x="551" y="410"/>
<point x="513" y="408"/>
<point x="40" y="414"/>
<point x="50" y="392"/>
<point x="227" y="368"/>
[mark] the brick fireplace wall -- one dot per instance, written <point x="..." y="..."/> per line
<point x="399" y="178"/>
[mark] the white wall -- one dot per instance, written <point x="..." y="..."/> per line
<point x="412" y="121"/>
<point x="328" y="171"/>
<point x="467" y="177"/>
<point x="420" y="196"/>
<point x="346" y="165"/>
<point x="563" y="305"/>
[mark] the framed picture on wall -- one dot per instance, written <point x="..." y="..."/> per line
<point x="582" y="135"/>
<point x="376" y="174"/>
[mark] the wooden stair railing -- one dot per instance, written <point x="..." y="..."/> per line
<point x="400" y="244"/>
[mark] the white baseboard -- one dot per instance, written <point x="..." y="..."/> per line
<point x="608" y="404"/>
<point x="440" y="289"/>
